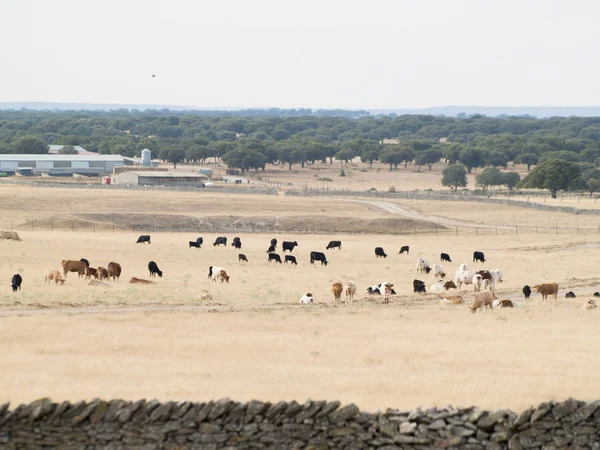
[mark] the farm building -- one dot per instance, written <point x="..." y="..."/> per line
<point x="55" y="150"/>
<point x="60" y="164"/>
<point x="159" y="178"/>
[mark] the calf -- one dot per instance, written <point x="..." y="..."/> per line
<point x="200" y="241"/>
<point x="405" y="249"/>
<point x="195" y="244"/>
<point x="486" y="277"/>
<point x="457" y="300"/>
<point x="547" y="289"/>
<point x="570" y="294"/>
<point x="135" y="280"/>
<point x="221" y="240"/>
<point x="289" y="246"/>
<point x="271" y="249"/>
<point x="442" y="286"/>
<point x="334" y="244"/>
<point x="307" y="298"/>
<point x="484" y="300"/>
<point x="350" y="291"/>
<point x="438" y="271"/>
<point x="114" y="270"/>
<point x="53" y="275"/>
<point x="463" y="268"/>
<point x="143" y="239"/>
<point x="507" y="303"/>
<point x="590" y="304"/>
<point x="217" y="273"/>
<point x="237" y="243"/>
<point x="387" y="291"/>
<point x="15" y="282"/>
<point x="101" y="273"/>
<point x="290" y="259"/>
<point x="154" y="270"/>
<point x="477" y="282"/>
<point x="449" y="285"/>
<point x="274" y="257"/>
<point x="423" y="265"/>
<point x="90" y="272"/>
<point x="526" y="291"/>
<point x="337" y="289"/>
<point x="242" y="257"/>
<point x="478" y="256"/>
<point x="418" y="287"/>
<point x="318" y="256"/>
<point x="380" y="253"/>
<point x="274" y="243"/>
<point x="445" y="257"/>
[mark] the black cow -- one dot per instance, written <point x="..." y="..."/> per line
<point x="596" y="294"/>
<point x="418" y="287"/>
<point x="154" y="270"/>
<point x="15" y="282"/>
<point x="271" y="249"/>
<point x="289" y="245"/>
<point x="144" y="238"/>
<point x="242" y="257"/>
<point x="380" y="253"/>
<point x="274" y="257"/>
<point x="570" y="294"/>
<point x="220" y="241"/>
<point x="526" y="291"/>
<point x="237" y="242"/>
<point x="405" y="249"/>
<point x="318" y="256"/>
<point x="274" y="243"/>
<point x="85" y="261"/>
<point x="290" y="259"/>
<point x="200" y="241"/>
<point x="195" y="244"/>
<point x="334" y="244"/>
<point x="478" y="256"/>
<point x="445" y="257"/>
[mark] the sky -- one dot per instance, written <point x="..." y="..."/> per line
<point x="375" y="54"/>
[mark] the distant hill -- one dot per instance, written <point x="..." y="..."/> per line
<point x="494" y="111"/>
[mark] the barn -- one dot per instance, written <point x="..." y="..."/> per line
<point x="92" y="165"/>
<point x="160" y="178"/>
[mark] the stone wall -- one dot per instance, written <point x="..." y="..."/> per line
<point x="313" y="425"/>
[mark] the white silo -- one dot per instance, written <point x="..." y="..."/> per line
<point x="146" y="157"/>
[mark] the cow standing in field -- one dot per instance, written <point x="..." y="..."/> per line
<point x="387" y="291"/>
<point x="221" y="240"/>
<point x="380" y="253"/>
<point x="526" y="291"/>
<point x="478" y="256"/>
<point x="101" y="273"/>
<point x="547" y="289"/>
<point x="273" y="243"/>
<point x="16" y="282"/>
<point x="337" y="290"/>
<point x="90" y="272"/>
<point x="289" y="246"/>
<point x="195" y="244"/>
<point x="350" y="291"/>
<point x="217" y="273"/>
<point x="423" y="265"/>
<point x="85" y="261"/>
<point x="154" y="270"/>
<point x="445" y="257"/>
<point x="114" y="270"/>
<point x="143" y="239"/>
<point x="274" y="257"/>
<point x="73" y="266"/>
<point x="242" y="257"/>
<point x="438" y="271"/>
<point x="290" y="259"/>
<point x="405" y="249"/>
<point x="334" y="244"/>
<point x="318" y="256"/>
<point x="53" y="275"/>
<point x="271" y="249"/>
<point x="236" y="243"/>
<point x="484" y="300"/>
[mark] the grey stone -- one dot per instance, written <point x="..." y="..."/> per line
<point x="437" y="425"/>
<point x="276" y="409"/>
<point x="414" y="414"/>
<point x="387" y="427"/>
<point x="297" y="430"/>
<point x="205" y="411"/>
<point x="447" y="442"/>
<point x="487" y="421"/>
<point x="310" y="409"/>
<point x="403" y="439"/>
<point x="583" y="413"/>
<point x="221" y="407"/>
<point x="408" y="427"/>
<point x="328" y="409"/>
<point x="523" y="418"/>
<point x="541" y="411"/>
<point x="145" y="410"/>
<point x="565" y="408"/>
<point x="255" y="408"/>
<point x="462" y="431"/>
<point x="475" y="415"/>
<point x="292" y="409"/>
<point x="113" y="408"/>
<point x="86" y="412"/>
<point x="344" y="413"/>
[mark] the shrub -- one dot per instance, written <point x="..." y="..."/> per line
<point x="342" y="173"/>
<point x="392" y="189"/>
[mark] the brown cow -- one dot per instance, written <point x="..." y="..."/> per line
<point x="449" y="285"/>
<point x="483" y="299"/>
<point x="101" y="273"/>
<point x="69" y="265"/>
<point x="53" y="275"/>
<point x="547" y="289"/>
<point x="91" y="272"/>
<point x="114" y="270"/>
<point x="337" y="290"/>
<point x="135" y="280"/>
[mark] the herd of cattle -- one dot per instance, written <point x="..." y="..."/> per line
<point x="484" y="281"/>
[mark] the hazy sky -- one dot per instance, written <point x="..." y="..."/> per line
<point x="305" y="53"/>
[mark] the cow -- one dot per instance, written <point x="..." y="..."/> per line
<point x="242" y="257"/>
<point x="154" y="270"/>
<point x="143" y="239"/>
<point x="478" y="256"/>
<point x="423" y="265"/>
<point x="418" y="287"/>
<point x="307" y="298"/>
<point x="547" y="289"/>
<point x="273" y="243"/>
<point x="10" y="235"/>
<point x="596" y="294"/>
<point x="438" y="271"/>
<point x="378" y="289"/>
<point x="486" y="277"/>
<point x="449" y="285"/>
<point x="236" y="243"/>
<point x="442" y="286"/>
<point x="287" y="245"/>
<point x="90" y="272"/>
<point x="464" y="277"/>
<point x="380" y="253"/>
<point x="195" y="244"/>
<point x="445" y="257"/>
<point x="484" y="300"/>
<point x="220" y="241"/>
<point x="526" y="291"/>
<point x="73" y="266"/>
<point x="15" y="282"/>
<point x="274" y="257"/>
<point x="114" y="270"/>
<point x="135" y="280"/>
<point x="271" y="249"/>
<point x="200" y="241"/>
<point x="334" y="244"/>
<point x="477" y="282"/>
<point x="101" y="273"/>
<point x="217" y="273"/>
<point x="53" y="275"/>
<point x="350" y="290"/>
<point x="290" y="259"/>
<point x="85" y="261"/>
<point x="590" y="304"/>
<point x="404" y="249"/>
<point x="507" y="303"/>
<point x="337" y="289"/>
<point x="463" y="268"/>
<point x="570" y="294"/>
<point x="318" y="256"/>
<point x="387" y="291"/>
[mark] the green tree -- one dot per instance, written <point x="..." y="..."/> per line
<point x="31" y="145"/>
<point x="428" y="157"/>
<point x="554" y="174"/>
<point x="345" y="154"/>
<point x="472" y="157"/>
<point x="391" y="155"/>
<point x="529" y="159"/>
<point x="369" y="155"/>
<point x="454" y="176"/>
<point x="489" y="177"/>
<point x="563" y="154"/>
<point x="68" y="150"/>
<point x="593" y="185"/>
<point x="451" y="153"/>
<point x="175" y="156"/>
<point x="510" y="179"/>
<point x="498" y="159"/>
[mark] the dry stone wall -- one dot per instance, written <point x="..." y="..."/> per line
<point x="225" y="424"/>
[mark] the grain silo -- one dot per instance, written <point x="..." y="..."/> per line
<point x="146" y="157"/>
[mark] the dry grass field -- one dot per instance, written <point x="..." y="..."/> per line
<point x="253" y="340"/>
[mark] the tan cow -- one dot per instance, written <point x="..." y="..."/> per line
<point x="53" y="275"/>
<point x="590" y="304"/>
<point x="101" y="273"/>
<point x="69" y="265"/>
<point x="114" y="270"/>
<point x="135" y="280"/>
<point x="387" y="291"/>
<point x="10" y="235"/>
<point x="547" y="289"/>
<point x="337" y="290"/>
<point x="483" y="299"/>
<point x="350" y="290"/>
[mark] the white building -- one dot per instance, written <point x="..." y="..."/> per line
<point x="60" y="164"/>
<point x="55" y="150"/>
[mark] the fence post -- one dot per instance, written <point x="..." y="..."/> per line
<point x="517" y="229"/>
<point x="556" y="230"/>
<point x="457" y="231"/>
<point x="52" y="225"/>
<point x="73" y="224"/>
<point x="32" y="225"/>
<point x="496" y="230"/>
<point x="12" y="225"/>
<point x="113" y="227"/>
<point x="476" y="231"/>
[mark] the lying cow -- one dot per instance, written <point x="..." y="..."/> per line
<point x="135" y="280"/>
<point x="570" y="294"/>
<point x="457" y="300"/>
<point x="547" y="289"/>
<point x="53" y="275"/>
<point x="307" y="298"/>
<point x="442" y="286"/>
<point x="484" y="299"/>
<point x="590" y="304"/>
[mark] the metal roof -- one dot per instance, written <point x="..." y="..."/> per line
<point x="27" y="157"/>
<point x="159" y="174"/>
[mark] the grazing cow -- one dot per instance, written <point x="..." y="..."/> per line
<point x="287" y="245"/>
<point x="200" y="241"/>
<point x="464" y="277"/>
<point x="73" y="266"/>
<point x="307" y="298"/>
<point x="463" y="268"/>
<point x="334" y="244"/>
<point x="90" y="272"/>
<point x="486" y="276"/>
<point x="242" y="257"/>
<point x="337" y="289"/>
<point x="10" y="235"/>
<point x="418" y="287"/>
<point x="570" y="294"/>
<point x="442" y="286"/>
<point x="154" y="270"/>
<point x="478" y="256"/>
<point x="477" y="282"/>
<point x="237" y="243"/>
<point x="143" y="239"/>
<point x="217" y="273"/>
<point x="274" y="257"/>
<point x="101" y="273"/>
<point x="387" y="291"/>
<point x="596" y="294"/>
<point x="85" y="261"/>
<point x="590" y="304"/>
<point x="53" y="275"/>
<point x="405" y="249"/>
<point x="484" y="300"/>
<point x="220" y="241"/>
<point x="195" y="244"/>
<point x="526" y="291"/>
<point x="271" y="249"/>
<point x="547" y="289"/>
<point x="15" y="282"/>
<point x="274" y="243"/>
<point x="350" y="291"/>
<point x="114" y="270"/>
<point x="438" y="271"/>
<point x="449" y="285"/>
<point x="290" y="259"/>
<point x="380" y="253"/>
<point x="318" y="256"/>
<point x="423" y="265"/>
<point x="445" y="257"/>
<point x="135" y="280"/>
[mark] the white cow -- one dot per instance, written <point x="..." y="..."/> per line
<point x="217" y="273"/>
<point x="438" y="287"/>
<point x="423" y="265"/>
<point x="463" y="268"/>
<point x="464" y="277"/>
<point x="477" y="282"/>
<point x="350" y="290"/>
<point x="307" y="298"/>
<point x="438" y="271"/>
